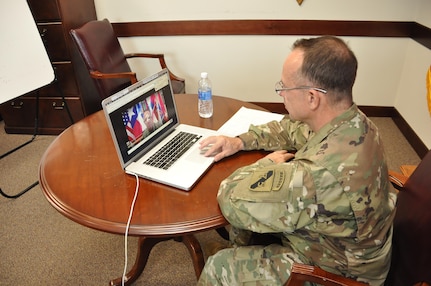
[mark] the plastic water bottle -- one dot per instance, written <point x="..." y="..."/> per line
<point x="205" y="102"/>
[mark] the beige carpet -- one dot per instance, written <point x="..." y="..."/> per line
<point x="41" y="247"/>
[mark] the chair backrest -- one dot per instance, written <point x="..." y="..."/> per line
<point x="101" y="51"/>
<point x="411" y="253"/>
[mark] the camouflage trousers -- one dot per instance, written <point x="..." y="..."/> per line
<point x="249" y="265"/>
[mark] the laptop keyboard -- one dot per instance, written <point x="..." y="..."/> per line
<point x="173" y="150"/>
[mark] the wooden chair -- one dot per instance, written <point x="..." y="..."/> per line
<point x="411" y="253"/>
<point x="302" y="273"/>
<point x="106" y="62"/>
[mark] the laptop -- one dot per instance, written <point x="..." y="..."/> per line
<point x="143" y="119"/>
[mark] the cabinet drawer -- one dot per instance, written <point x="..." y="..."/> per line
<point x="19" y="114"/>
<point x="44" y="10"/>
<point x="54" y="41"/>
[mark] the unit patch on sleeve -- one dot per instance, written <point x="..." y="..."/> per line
<point x="266" y="181"/>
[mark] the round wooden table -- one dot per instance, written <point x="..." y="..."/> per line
<point x="81" y="176"/>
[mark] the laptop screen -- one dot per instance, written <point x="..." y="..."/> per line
<point x="141" y="115"/>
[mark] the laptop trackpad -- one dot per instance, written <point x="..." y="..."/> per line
<point x="197" y="157"/>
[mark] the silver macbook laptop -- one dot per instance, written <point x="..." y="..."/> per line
<point x="143" y="122"/>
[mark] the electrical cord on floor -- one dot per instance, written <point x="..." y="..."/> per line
<point x="126" y="233"/>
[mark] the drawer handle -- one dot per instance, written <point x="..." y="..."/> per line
<point x="43" y="35"/>
<point x="17" y="106"/>
<point x="43" y="32"/>
<point x="58" y="107"/>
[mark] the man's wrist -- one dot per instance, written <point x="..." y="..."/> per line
<point x="241" y="143"/>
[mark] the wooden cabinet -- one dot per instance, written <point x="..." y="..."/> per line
<point x="54" y="19"/>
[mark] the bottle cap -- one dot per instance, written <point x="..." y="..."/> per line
<point x="204" y="74"/>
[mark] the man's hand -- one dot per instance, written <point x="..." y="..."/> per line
<point x="221" y="146"/>
<point x="280" y="156"/>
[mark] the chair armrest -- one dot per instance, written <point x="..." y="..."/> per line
<point x="100" y="75"/>
<point x="407" y="170"/>
<point x="162" y="61"/>
<point x="302" y="273"/>
<point x="397" y="179"/>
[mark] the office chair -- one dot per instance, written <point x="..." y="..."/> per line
<point x="411" y="247"/>
<point x="106" y="62"/>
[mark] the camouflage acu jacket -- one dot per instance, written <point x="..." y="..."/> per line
<point x="333" y="202"/>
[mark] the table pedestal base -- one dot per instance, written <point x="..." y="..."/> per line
<point x="144" y="249"/>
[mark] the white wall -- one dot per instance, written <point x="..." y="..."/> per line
<point x="246" y="67"/>
<point x="411" y="94"/>
<point x="150" y="10"/>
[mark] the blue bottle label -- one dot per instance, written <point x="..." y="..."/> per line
<point x="205" y="95"/>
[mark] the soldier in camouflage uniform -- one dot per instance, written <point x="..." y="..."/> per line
<point x="331" y="202"/>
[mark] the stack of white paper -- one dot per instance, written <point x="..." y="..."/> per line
<point x="241" y="120"/>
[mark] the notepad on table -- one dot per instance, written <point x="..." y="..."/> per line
<point x="244" y="117"/>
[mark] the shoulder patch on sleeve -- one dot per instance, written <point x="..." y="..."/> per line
<point x="266" y="181"/>
<point x="279" y="178"/>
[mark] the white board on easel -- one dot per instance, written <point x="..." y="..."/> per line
<point x="24" y="62"/>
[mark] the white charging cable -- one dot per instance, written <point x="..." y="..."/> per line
<point x="126" y="233"/>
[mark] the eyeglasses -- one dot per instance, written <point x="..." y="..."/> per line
<point x="279" y="87"/>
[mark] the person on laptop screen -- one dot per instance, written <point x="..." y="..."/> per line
<point x="144" y="117"/>
<point x="324" y="192"/>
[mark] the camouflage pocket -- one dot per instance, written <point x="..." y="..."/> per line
<point x="258" y="265"/>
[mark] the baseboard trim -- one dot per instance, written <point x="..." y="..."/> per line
<point x="372" y="111"/>
<point x="276" y="107"/>
<point x="414" y="140"/>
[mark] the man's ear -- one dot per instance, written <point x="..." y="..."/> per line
<point x="314" y="99"/>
